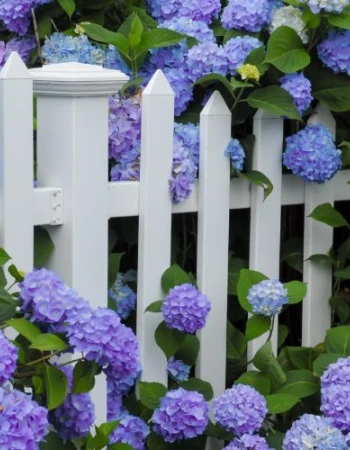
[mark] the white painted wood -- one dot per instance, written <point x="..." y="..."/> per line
<point x="213" y="234"/>
<point x="265" y="217"/>
<point x="318" y="238"/>
<point x="155" y="217"/>
<point x="16" y="162"/>
<point x="73" y="154"/>
<point x="48" y="206"/>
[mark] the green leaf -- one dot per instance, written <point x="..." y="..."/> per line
<point x="330" y="89"/>
<point x="257" y="380"/>
<point x="48" y="342"/>
<point x="151" y="393"/>
<point x="275" y="438"/>
<point x="322" y="362"/>
<point x="259" y="179"/>
<point x="43" y="247"/>
<point x="6" y="297"/>
<point x="338" y="340"/>
<point x="320" y="258"/>
<point x="155" y="307"/>
<point x="296" y="291"/>
<point x="68" y="6"/>
<point x="100" y="34"/>
<point x="292" y="253"/>
<point x="7" y="311"/>
<point x="84" y="376"/>
<point x="4" y="257"/>
<point x="257" y="57"/>
<point x="54" y="442"/>
<point x="310" y="19"/>
<point x="44" y="25"/>
<point x="170" y="341"/>
<point x="56" y="384"/>
<point x="156" y="442"/>
<point x="236" y="84"/>
<point x="38" y="385"/>
<point x="340" y="306"/>
<point x="203" y="387"/>
<point x="283" y="332"/>
<point x="280" y="403"/>
<point x="120" y="446"/>
<point x="157" y="38"/>
<point x="113" y="267"/>
<point x="266" y="362"/>
<point x="345" y="149"/>
<point x="188" y="353"/>
<point x="327" y="214"/>
<point x="136" y="32"/>
<point x="300" y="383"/>
<point x="212" y="78"/>
<point x="257" y="326"/>
<point x="341" y="20"/>
<point x="275" y="100"/>
<point x="17" y="275"/>
<point x="286" y="51"/>
<point x="247" y="279"/>
<point x="25" y="328"/>
<point x="301" y="357"/>
<point x="343" y="274"/>
<point x="174" y="276"/>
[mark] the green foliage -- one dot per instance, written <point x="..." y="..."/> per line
<point x="169" y="340"/>
<point x="280" y="403"/>
<point x="256" y="326"/>
<point x="259" y="179"/>
<point x="56" y="385"/>
<point x="296" y="291"/>
<point x="84" y="376"/>
<point x="266" y="362"/>
<point x="151" y="393"/>
<point x="246" y="281"/>
<point x="328" y="215"/>
<point x="174" y="276"/>
<point x="43" y="247"/>
<point x="257" y="380"/>
<point x="338" y="340"/>
<point x="196" y="384"/>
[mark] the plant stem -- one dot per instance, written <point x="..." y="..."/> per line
<point x="70" y="362"/>
<point x="37" y="38"/>
<point x="44" y="358"/>
<point x="237" y="99"/>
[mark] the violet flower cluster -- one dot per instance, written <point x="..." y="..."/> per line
<point x="237" y="49"/>
<point x="312" y="155"/>
<point x="185" y="308"/>
<point x="123" y="296"/>
<point x="178" y="370"/>
<point x="299" y="87"/>
<point x="75" y="417"/>
<point x="23" y="46"/>
<point x="248" y="441"/>
<point x="199" y="10"/>
<point x="334" y="51"/>
<point x="23" y="423"/>
<point x="267" y="297"/>
<point x="249" y="16"/>
<point x="313" y="432"/>
<point x="240" y="409"/>
<point x="16" y="15"/>
<point x="132" y="431"/>
<point x="235" y="152"/>
<point x="8" y="359"/>
<point x="181" y="415"/>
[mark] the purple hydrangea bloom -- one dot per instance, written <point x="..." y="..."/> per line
<point x="181" y="415"/>
<point x="60" y="48"/>
<point x="123" y="296"/>
<point x="178" y="370"/>
<point x="235" y="152"/>
<point x="180" y="81"/>
<point x="335" y="6"/>
<point x="34" y="281"/>
<point x="240" y="409"/>
<point x="299" y="87"/>
<point x="2" y="53"/>
<point x="74" y="418"/>
<point x="185" y="308"/>
<point x="188" y="135"/>
<point x="334" y="51"/>
<point x="337" y="373"/>
<point x="23" y="46"/>
<point x="313" y="432"/>
<point x="131" y="430"/>
<point x="115" y="408"/>
<point x="247" y="441"/>
<point x="23" y="423"/>
<point x="16" y="15"/>
<point x="191" y="27"/>
<point x="126" y="171"/>
<point x="248" y="16"/>
<point x="237" y="50"/>
<point x="8" y="359"/>
<point x="199" y="10"/>
<point x="206" y="58"/>
<point x="267" y="297"/>
<point x="120" y="382"/>
<point x="312" y="155"/>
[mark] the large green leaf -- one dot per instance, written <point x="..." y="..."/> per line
<point x="157" y="38"/>
<point x="256" y="326"/>
<point x="280" y="403"/>
<point x="236" y="342"/>
<point x="195" y="384"/>
<point x="7" y="311"/>
<point x="286" y="51"/>
<point x="247" y="279"/>
<point x="296" y="291"/>
<point x="300" y="383"/>
<point x="100" y="34"/>
<point x="114" y="260"/>
<point x="43" y="247"/>
<point x="53" y="442"/>
<point x="136" y="31"/>
<point x="341" y="20"/>
<point x="4" y="257"/>
<point x="257" y="380"/>
<point x="327" y="214"/>
<point x="266" y="362"/>
<point x="275" y="100"/>
<point x="301" y="357"/>
<point x="56" y="384"/>
<point x="211" y="78"/>
<point x="343" y="274"/>
<point x="259" y="179"/>
<point x="151" y="393"/>
<point x="188" y="353"/>
<point x="338" y="340"/>
<point x="68" y="6"/>
<point x="169" y="340"/>
<point x="322" y="362"/>
<point x="174" y="276"/>
<point x="25" y="328"/>
<point x="48" y="342"/>
<point x="84" y="376"/>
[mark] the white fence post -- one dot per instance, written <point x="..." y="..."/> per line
<point x="213" y="234"/>
<point x="16" y="162"/>
<point x="318" y="238"/>
<point x="154" y="217"/>
<point x="265" y="216"/>
<point x="72" y="109"/>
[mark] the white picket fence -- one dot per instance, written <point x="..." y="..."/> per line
<point x="77" y="200"/>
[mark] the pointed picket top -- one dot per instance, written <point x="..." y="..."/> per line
<point x="324" y="116"/>
<point x="158" y="85"/>
<point x="216" y="106"/>
<point x="262" y="114"/>
<point x="15" y="69"/>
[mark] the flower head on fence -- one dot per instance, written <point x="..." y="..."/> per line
<point x="8" y="359"/>
<point x="289" y="16"/>
<point x="132" y="431"/>
<point x="178" y="370"/>
<point x="252" y="16"/>
<point x="237" y="49"/>
<point x="299" y="87"/>
<point x="235" y="152"/>
<point x="267" y="297"/>
<point x="249" y="441"/>
<point x="334" y="51"/>
<point x="181" y="415"/>
<point x="123" y="296"/>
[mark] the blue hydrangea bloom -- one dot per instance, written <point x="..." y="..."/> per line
<point x="16" y="15"/>
<point x="123" y="296"/>
<point x="60" y="48"/>
<point x="126" y="171"/>
<point x="181" y="415"/>
<point x="178" y="369"/>
<point x="188" y="135"/>
<point x="199" y="10"/>
<point x="313" y="432"/>
<point x="121" y="383"/>
<point x="185" y="308"/>
<point x="248" y="16"/>
<point x="247" y="441"/>
<point x="334" y="51"/>
<point x="75" y="417"/>
<point x="206" y="58"/>
<point x="235" y="152"/>
<point x="267" y="297"/>
<point x="240" y="409"/>
<point x="8" y="359"/>
<point x="23" y="423"/>
<point x="335" y="6"/>
<point x="113" y="60"/>
<point x="299" y="87"/>
<point x="337" y="373"/>
<point x="312" y="155"/>
<point x="131" y="430"/>
<point x="237" y="50"/>
<point x="180" y="81"/>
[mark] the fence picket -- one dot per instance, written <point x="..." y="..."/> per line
<point x="154" y="217"/>
<point x="265" y="216"/>
<point x="318" y="238"/>
<point x="16" y="180"/>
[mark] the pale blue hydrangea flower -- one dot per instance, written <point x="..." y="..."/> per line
<point x="248" y="441"/>
<point x="237" y="49"/>
<point x="206" y="58"/>
<point x="334" y="51"/>
<point x="178" y="370"/>
<point x="250" y="16"/>
<point x="292" y="17"/>
<point x="299" y="87"/>
<point x="113" y="60"/>
<point x="267" y="297"/>
<point x="334" y="6"/>
<point x="313" y="432"/>
<point x="123" y="296"/>
<point x="312" y="155"/>
<point x="235" y="152"/>
<point x="188" y="135"/>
